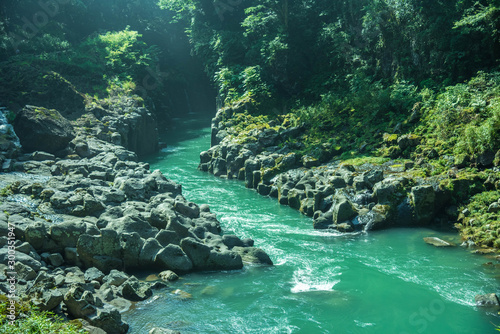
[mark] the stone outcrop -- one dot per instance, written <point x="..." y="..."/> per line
<point x="41" y="129"/>
<point x="87" y="212"/>
<point x="342" y="197"/>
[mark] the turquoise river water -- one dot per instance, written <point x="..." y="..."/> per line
<point x="322" y="282"/>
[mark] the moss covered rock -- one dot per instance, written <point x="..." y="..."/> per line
<point x="41" y="129"/>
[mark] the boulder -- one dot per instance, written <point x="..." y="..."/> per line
<point x="343" y="210"/>
<point x="141" y="134"/>
<point x="253" y="255"/>
<point x="134" y="290"/>
<point x="168" y="275"/>
<point x="54" y="259"/>
<point x="90" y="248"/>
<point x="434" y="241"/>
<point x="24" y="272"/>
<point x="379" y="217"/>
<point x="115" y="278"/>
<point x="422" y="199"/>
<point x="488" y="300"/>
<point x="186" y="208"/>
<point x="66" y="234"/>
<point x="160" y="330"/>
<point x="49" y="300"/>
<point x="37" y="235"/>
<point x="131" y="245"/>
<point x="41" y="129"/>
<point x="196" y="251"/>
<point x="389" y="191"/>
<point x="148" y="252"/>
<point x="94" y="274"/>
<point x="231" y="241"/>
<point x="165" y="237"/>
<point x="80" y="302"/>
<point x="224" y="260"/>
<point x="133" y="188"/>
<point x="109" y="320"/>
<point x="173" y="257"/>
<point x="219" y="166"/>
<point x="20" y="258"/>
<point x="133" y="223"/>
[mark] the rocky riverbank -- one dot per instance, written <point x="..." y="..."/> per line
<point x="342" y="195"/>
<point x="80" y="213"/>
<point x="363" y="194"/>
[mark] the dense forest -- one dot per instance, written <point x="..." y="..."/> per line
<point x="103" y="49"/>
<point x="413" y="82"/>
<point x="353" y="70"/>
<point x="339" y="66"/>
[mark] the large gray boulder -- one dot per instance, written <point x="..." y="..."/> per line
<point x="488" y="300"/>
<point x="41" y="129"/>
<point x="253" y="255"/>
<point x="147" y="255"/>
<point x="66" y="234"/>
<point x="21" y="258"/>
<point x="49" y="300"/>
<point x="80" y="302"/>
<point x="343" y="210"/>
<point x="134" y="290"/>
<point x="196" y="251"/>
<point x="110" y="320"/>
<point x="100" y="251"/>
<point x="131" y="224"/>
<point x="131" y="245"/>
<point x="422" y="199"/>
<point x="173" y="257"/>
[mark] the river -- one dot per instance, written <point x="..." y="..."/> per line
<point x="322" y="282"/>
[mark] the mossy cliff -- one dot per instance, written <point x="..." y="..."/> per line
<point x="435" y="166"/>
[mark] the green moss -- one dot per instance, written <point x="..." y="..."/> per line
<point x="477" y="224"/>
<point x="390" y="139"/>
<point x="49" y="113"/>
<point x="361" y="160"/>
<point x="464" y="120"/>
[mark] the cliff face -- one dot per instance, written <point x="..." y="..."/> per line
<point x="138" y="131"/>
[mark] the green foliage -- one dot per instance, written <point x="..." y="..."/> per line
<point x="244" y="85"/>
<point x="227" y="81"/>
<point x="482" y="17"/>
<point x="466" y="117"/>
<point x="117" y="87"/>
<point x="480" y="225"/>
<point x="182" y="8"/>
<point x="121" y="51"/>
<point x="31" y="321"/>
<point x="253" y="84"/>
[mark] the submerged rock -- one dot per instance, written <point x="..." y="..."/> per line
<point x="488" y="300"/>
<point x="159" y="330"/>
<point x="434" y="241"/>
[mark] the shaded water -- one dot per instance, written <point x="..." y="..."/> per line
<point x="322" y="282"/>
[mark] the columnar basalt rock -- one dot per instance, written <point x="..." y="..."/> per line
<point x="338" y="196"/>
